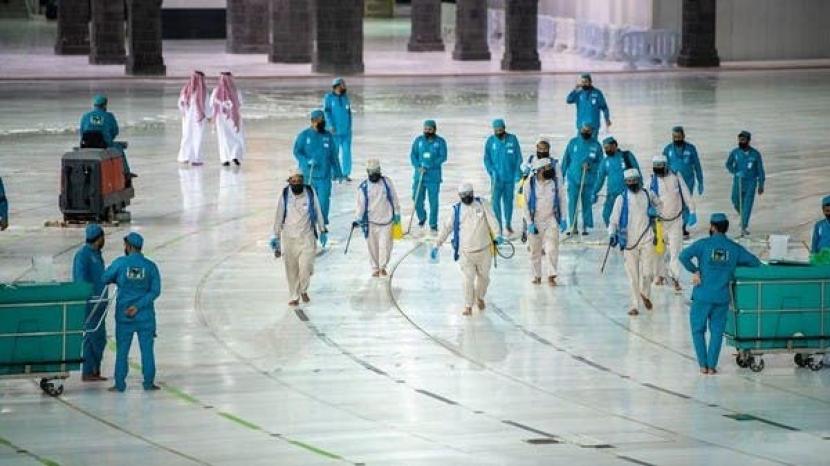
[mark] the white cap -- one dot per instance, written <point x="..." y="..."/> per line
<point x="631" y="174"/>
<point x="660" y="158"/>
<point x="373" y="165"/>
<point x="465" y="188"/>
<point x="294" y="172"/>
<point x="539" y="163"/>
<point x="543" y="138"/>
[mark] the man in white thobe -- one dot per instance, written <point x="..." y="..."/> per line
<point x="226" y="101"/>
<point x="194" y="105"/>
<point x="377" y="210"/>
<point x="630" y="227"/>
<point x="474" y="231"/>
<point x="544" y="212"/>
<point x="672" y="197"/>
<point x="297" y="226"/>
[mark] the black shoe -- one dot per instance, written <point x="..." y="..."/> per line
<point x="226" y="164"/>
<point x="152" y="388"/>
<point x="236" y="162"/>
<point x="585" y="233"/>
<point x="421" y="224"/>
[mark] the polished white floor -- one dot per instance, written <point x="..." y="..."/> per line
<point x="388" y="372"/>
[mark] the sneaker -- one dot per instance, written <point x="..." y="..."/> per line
<point x="150" y="388"/>
<point x="115" y="389"/>
<point x="584" y="232"/>
<point x="226" y="164"/>
<point x="236" y="162"/>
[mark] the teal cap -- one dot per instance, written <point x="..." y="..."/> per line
<point x="317" y="114"/>
<point x="825" y="201"/>
<point x="99" y="100"/>
<point x="93" y="231"/>
<point x="337" y="81"/>
<point x="135" y="240"/>
<point x="498" y="123"/>
<point x="677" y="129"/>
<point x="745" y="134"/>
<point x="718" y="218"/>
<point x="587" y="125"/>
<point x="430" y="124"/>
<point x="585" y="76"/>
<point x="609" y="140"/>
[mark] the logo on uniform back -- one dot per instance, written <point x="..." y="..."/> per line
<point x="720" y="255"/>
<point x="97" y="120"/>
<point x="135" y="273"/>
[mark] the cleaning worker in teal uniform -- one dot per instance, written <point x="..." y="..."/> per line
<point x="821" y="231"/>
<point x="104" y="122"/>
<point x="88" y="266"/>
<point x="712" y="261"/>
<point x="338" y="110"/>
<point x="580" y="164"/>
<point x="616" y="162"/>
<point x="428" y="154"/>
<point x="316" y="154"/>
<point x="590" y="102"/>
<point x="4" y="207"/>
<point x="684" y="160"/>
<point x="503" y="162"/>
<point x="139" y="285"/>
<point x="747" y="168"/>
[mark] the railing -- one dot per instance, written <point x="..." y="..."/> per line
<point x="658" y="46"/>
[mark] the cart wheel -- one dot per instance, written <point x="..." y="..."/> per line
<point x="51" y="388"/>
<point x="814" y="363"/>
<point x="742" y="359"/>
<point x="756" y="364"/>
<point x="799" y="360"/>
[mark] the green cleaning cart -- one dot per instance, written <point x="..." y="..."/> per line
<point x="780" y="308"/>
<point x="42" y="331"/>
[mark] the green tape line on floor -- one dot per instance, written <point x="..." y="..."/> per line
<point x="23" y="451"/>
<point x="314" y="449"/>
<point x="239" y="421"/>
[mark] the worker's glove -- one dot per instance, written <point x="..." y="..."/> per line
<point x="692" y="220"/>
<point x="760" y="190"/>
<point x="594" y="198"/>
<point x="563" y="225"/>
<point x="355" y="224"/>
<point x="324" y="238"/>
<point x="433" y="254"/>
<point x="700" y="189"/>
<point x="533" y="229"/>
<point x="614" y="240"/>
<point x="499" y="240"/>
<point x="396" y="219"/>
<point x="311" y="164"/>
<point x="274" y="242"/>
<point x="652" y="212"/>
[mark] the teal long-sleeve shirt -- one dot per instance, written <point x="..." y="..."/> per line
<point x="319" y="148"/>
<point x="684" y="160"/>
<point x="139" y="285"/>
<point x="430" y="154"/>
<point x="747" y="164"/>
<point x="613" y="168"/>
<point x="821" y="236"/>
<point x="589" y="104"/>
<point x="503" y="158"/>
<point x="103" y="121"/>
<point x="338" y="111"/>
<point x="716" y="258"/>
<point x="578" y="152"/>
<point x="88" y="266"/>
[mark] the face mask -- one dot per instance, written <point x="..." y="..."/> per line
<point x="548" y="174"/>
<point x="585" y="136"/>
<point x="542" y="155"/>
<point x="342" y="91"/>
<point x="633" y="187"/>
<point x="660" y="171"/>
<point x="428" y="134"/>
<point x="711" y="231"/>
<point x="320" y="126"/>
<point x="827" y="216"/>
<point x="297" y="189"/>
<point x="678" y="142"/>
<point x="610" y="153"/>
<point x="126" y="252"/>
<point x="743" y="145"/>
<point x="374" y="177"/>
<point x="467" y="199"/>
<point x="585" y="87"/>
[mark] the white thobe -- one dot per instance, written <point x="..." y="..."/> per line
<point x="476" y="232"/>
<point x="193" y="130"/>
<point x="297" y="239"/>
<point x="231" y="139"/>
<point x="379" y="240"/>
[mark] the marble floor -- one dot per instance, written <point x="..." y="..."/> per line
<point x="387" y="372"/>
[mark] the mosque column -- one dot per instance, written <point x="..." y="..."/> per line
<point x="521" y="36"/>
<point x="144" y="38"/>
<point x="338" y="37"/>
<point x="290" y="31"/>
<point x="471" y="30"/>
<point x="106" y="44"/>
<point x="426" y="27"/>
<point x="247" y="26"/>
<point x="699" y="49"/>
<point x="73" y="28"/>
